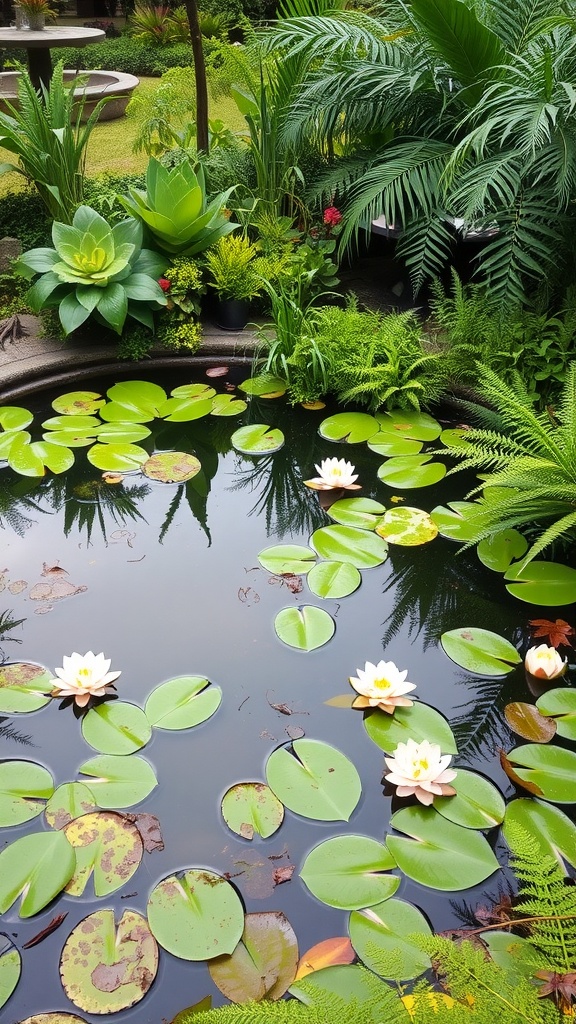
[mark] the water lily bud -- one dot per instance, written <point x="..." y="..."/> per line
<point x="545" y="662"/>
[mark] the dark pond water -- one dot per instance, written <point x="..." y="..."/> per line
<point x="170" y="585"/>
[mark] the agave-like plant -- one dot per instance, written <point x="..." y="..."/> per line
<point x="175" y="210"/>
<point x="95" y="270"/>
<point x="531" y="457"/>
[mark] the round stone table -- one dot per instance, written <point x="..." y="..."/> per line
<point x="39" y="44"/>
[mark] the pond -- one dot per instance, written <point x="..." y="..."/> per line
<point x="165" y="579"/>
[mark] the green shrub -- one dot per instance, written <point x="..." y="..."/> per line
<point x="130" y="56"/>
<point x="179" y="335"/>
<point x="24" y="216"/>
<point x="102" y="193"/>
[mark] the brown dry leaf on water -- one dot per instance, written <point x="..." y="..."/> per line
<point x="150" y="830"/>
<point x="284" y="709"/>
<point x="217" y="371"/>
<point x="17" y="587"/>
<point x="55" y="591"/>
<point x="557" y="632"/>
<point x="288" y="579"/>
<point x="248" y="596"/>
<point x="284" y="874"/>
<point x="260" y="875"/>
<point x="53" y="570"/>
<point x="50" y="927"/>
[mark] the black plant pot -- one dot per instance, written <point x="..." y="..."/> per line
<point x="232" y="314"/>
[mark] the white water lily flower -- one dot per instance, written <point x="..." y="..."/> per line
<point x="334" y="473"/>
<point x="420" y="770"/>
<point x="382" y="686"/>
<point x="83" y="676"/>
<point x="545" y="662"/>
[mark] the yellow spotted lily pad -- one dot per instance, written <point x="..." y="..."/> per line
<point x="108" y="846"/>
<point x="10" y="967"/>
<point x="407" y="526"/>
<point x="171" y="467"/>
<point x="23" y="687"/>
<point x="78" y="403"/>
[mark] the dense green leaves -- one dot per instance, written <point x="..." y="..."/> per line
<point x="314" y="779"/>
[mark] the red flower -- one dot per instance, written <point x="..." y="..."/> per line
<point x="332" y="216"/>
<point x="164" y="284"/>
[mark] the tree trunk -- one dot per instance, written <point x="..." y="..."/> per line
<point x="199" y="77"/>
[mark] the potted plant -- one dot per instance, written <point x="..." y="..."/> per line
<point x="32" y="14"/>
<point x="232" y="273"/>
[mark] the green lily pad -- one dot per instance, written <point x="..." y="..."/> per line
<point x="184" y="410"/>
<point x="12" y="417"/>
<point x="78" y="403"/>
<point x="477" y="803"/>
<point x="334" y="579"/>
<point x="287" y="558"/>
<point x="546" y="583"/>
<point x="117" y="458"/>
<point x="352" y="427"/>
<point x="23" y="687"/>
<point x="410" y="423"/>
<point x="193" y="391"/>
<point x="257" y="439"/>
<point x="547" y="771"/>
<point x="69" y="438"/>
<point x="122" y="433"/>
<point x="119" y="781"/>
<point x="407" y="526"/>
<point x="455" y="437"/>
<point x="250" y="808"/>
<point x="87" y="425"/>
<point x="105" y="968"/>
<point x="348" y="544"/>
<point x="116" y="412"/>
<point x="350" y="982"/>
<point x="264" y="963"/>
<point x="36" y="867"/>
<point x="363" y="513"/>
<point x="264" y="386"/>
<point x="315" y="780"/>
<point x="141" y="394"/>
<point x="526" y="721"/>
<point x="445" y="856"/>
<point x="196" y="915"/>
<point x="33" y="459"/>
<point x="171" y="467"/>
<point x="388" y="444"/>
<point x="459" y="520"/>
<point x="499" y="551"/>
<point x="420" y="722"/>
<point x="108" y="846"/>
<point x="350" y="872"/>
<point x="70" y="800"/>
<point x="227" y="405"/>
<point x="480" y="651"/>
<point x="10" y="968"/>
<point x="551" y="829"/>
<point x="116" y="727"/>
<point x="24" y="789"/>
<point x="560" y="704"/>
<point x="11" y="439"/>
<point x="182" y="702"/>
<point x="381" y="934"/>
<point x="306" y="627"/>
<point x="411" y="471"/>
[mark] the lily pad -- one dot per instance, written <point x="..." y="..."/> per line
<point x="352" y="427"/>
<point x="250" y="808"/>
<point x="499" y="551"/>
<point x="257" y="439"/>
<point x="548" y="771"/>
<point x="108" y="846"/>
<point x="480" y="651"/>
<point x="350" y="872"/>
<point x="459" y="520"/>
<point x="264" y="386"/>
<point x="33" y="459"/>
<point x="193" y="391"/>
<point x="171" y="467"/>
<point x="381" y="937"/>
<point x="306" y="627"/>
<point x="560" y="705"/>
<point x="105" y="968"/>
<point x="455" y="437"/>
<point x="411" y="471"/>
<point x="69" y="438"/>
<point x="420" y="722"/>
<point x="10" y="968"/>
<point x="410" y="423"/>
<point x="287" y="558"/>
<point x="315" y="780"/>
<point x="116" y="412"/>
<point x="182" y="702"/>
<point x="23" y="687"/>
<point x="78" y="403"/>
<point x="54" y="1018"/>
<point x="141" y="394"/>
<point x="13" y="417"/>
<point x="363" y="513"/>
<point x="526" y="721"/>
<point x="196" y="915"/>
<point x="546" y="583"/>
<point x="117" y="458"/>
<point x="116" y="727"/>
<point x="11" y="439"/>
<point x="407" y="526"/>
<point x="446" y="856"/>
<point x="477" y="803"/>
<point x="70" y="800"/>
<point x="24" y="789"/>
<point x="334" y="579"/>
<point x="263" y="965"/>
<point x="388" y="444"/>
<point x="185" y="410"/>
<point x="87" y="425"/>
<point x="227" y="405"/>
<point x="119" y="781"/>
<point x="348" y="544"/>
<point x="551" y="829"/>
<point x="36" y="867"/>
<point x="350" y="982"/>
<point x="122" y="433"/>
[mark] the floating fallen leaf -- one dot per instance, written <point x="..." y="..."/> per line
<point x="55" y="591"/>
<point x="285" y="709"/>
<point x="396" y="498"/>
<point x="557" y="632"/>
<point x="53" y="570"/>
<point x="295" y="732"/>
<point x="337" y="950"/>
<point x="217" y="371"/>
<point x="17" y="587"/>
<point x="283" y="874"/>
<point x="50" y="927"/>
<point x="150" y="830"/>
<point x="112" y="478"/>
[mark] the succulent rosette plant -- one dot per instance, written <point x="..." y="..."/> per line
<point x="382" y="686"/>
<point x="83" y="676"/>
<point x="420" y="770"/>
<point x="95" y="269"/>
<point x="545" y="662"/>
<point x="334" y="474"/>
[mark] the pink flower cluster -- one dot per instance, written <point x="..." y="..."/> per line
<point x="332" y="216"/>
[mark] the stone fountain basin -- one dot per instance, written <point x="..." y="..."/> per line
<point x="96" y="85"/>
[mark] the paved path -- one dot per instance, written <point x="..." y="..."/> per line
<point x="33" y="362"/>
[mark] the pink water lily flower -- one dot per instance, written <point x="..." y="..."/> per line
<point x="420" y="770"/>
<point x="381" y="686"/>
<point x="83" y="676"/>
<point x="334" y="473"/>
<point x="545" y="662"/>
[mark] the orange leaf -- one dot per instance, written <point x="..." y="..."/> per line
<point x="337" y="950"/>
